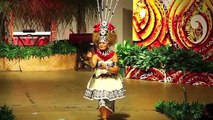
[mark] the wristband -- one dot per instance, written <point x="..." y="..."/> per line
<point x="99" y="64"/>
<point x="107" y="68"/>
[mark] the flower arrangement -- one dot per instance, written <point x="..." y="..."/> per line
<point x="11" y="51"/>
<point x="163" y="57"/>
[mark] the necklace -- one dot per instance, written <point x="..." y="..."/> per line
<point x="105" y="55"/>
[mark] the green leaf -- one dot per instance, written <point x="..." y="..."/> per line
<point x="163" y="57"/>
<point x="25" y="52"/>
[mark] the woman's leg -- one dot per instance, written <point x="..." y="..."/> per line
<point x="106" y="108"/>
<point x="105" y="113"/>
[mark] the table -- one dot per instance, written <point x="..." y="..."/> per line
<point x="83" y="42"/>
<point x="31" y="38"/>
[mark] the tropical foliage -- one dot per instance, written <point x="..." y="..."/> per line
<point x="6" y="113"/>
<point x="63" y="11"/>
<point x="44" y="14"/>
<point x="6" y="6"/>
<point x="24" y="52"/>
<point x="164" y="57"/>
<point x="180" y="111"/>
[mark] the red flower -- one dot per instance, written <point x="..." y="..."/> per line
<point x="97" y="27"/>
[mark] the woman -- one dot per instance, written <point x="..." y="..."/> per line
<point x="105" y="85"/>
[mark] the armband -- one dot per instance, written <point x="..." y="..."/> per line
<point x="115" y="63"/>
<point x="107" y="68"/>
<point x="98" y="64"/>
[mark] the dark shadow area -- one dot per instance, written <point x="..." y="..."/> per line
<point x="118" y="116"/>
<point x="127" y="24"/>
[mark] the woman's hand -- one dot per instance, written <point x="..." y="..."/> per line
<point x="92" y="59"/>
<point x="89" y="54"/>
<point x="103" y="65"/>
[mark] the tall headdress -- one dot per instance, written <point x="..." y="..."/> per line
<point x="106" y="10"/>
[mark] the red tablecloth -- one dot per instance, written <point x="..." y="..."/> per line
<point x="30" y="41"/>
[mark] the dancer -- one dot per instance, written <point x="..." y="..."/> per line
<point x="106" y="84"/>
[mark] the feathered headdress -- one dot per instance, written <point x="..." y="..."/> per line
<point x="106" y="10"/>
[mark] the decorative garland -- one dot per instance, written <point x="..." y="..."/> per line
<point x="105" y="55"/>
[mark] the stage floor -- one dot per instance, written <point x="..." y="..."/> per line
<point x="58" y="95"/>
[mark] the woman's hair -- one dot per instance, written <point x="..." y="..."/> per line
<point x="111" y="37"/>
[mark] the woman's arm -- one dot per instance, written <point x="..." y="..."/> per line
<point x="92" y="59"/>
<point x="114" y="69"/>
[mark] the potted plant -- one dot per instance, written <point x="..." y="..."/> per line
<point x="164" y="63"/>
<point x="28" y="58"/>
<point x="164" y="57"/>
<point x="6" y="113"/>
<point x="185" y="110"/>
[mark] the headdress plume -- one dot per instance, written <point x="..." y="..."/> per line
<point x="106" y="10"/>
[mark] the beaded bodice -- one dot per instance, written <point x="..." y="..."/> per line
<point x="105" y="55"/>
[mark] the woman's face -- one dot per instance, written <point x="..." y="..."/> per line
<point x="103" y="45"/>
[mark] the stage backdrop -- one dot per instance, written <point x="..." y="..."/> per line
<point x="182" y="23"/>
